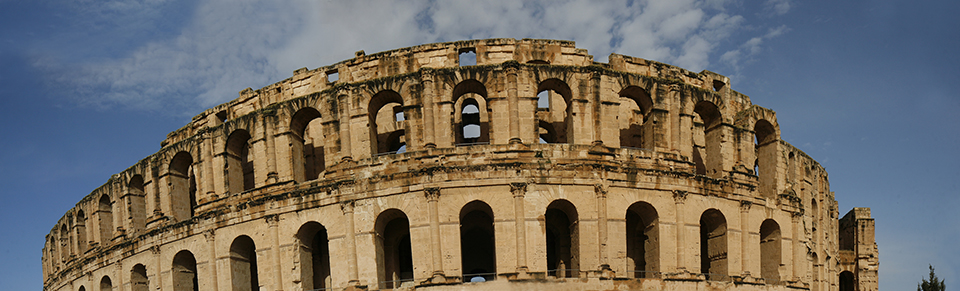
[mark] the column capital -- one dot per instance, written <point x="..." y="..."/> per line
<point x="431" y="193"/>
<point x="679" y="196"/>
<point x="519" y="189"/>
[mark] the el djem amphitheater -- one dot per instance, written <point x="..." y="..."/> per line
<point x="495" y="164"/>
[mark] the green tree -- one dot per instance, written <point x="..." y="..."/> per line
<point x="933" y="285"/>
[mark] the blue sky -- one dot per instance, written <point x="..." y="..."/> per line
<point x="870" y="89"/>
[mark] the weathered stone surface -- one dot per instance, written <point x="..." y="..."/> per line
<point x="629" y="175"/>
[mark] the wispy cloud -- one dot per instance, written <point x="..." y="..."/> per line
<point x="226" y="46"/>
<point x="735" y="57"/>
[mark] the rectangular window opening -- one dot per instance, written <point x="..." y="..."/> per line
<point x="468" y="57"/>
<point x="333" y="76"/>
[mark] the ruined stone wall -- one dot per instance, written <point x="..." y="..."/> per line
<point x="534" y="167"/>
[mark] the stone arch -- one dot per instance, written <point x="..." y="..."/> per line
<point x="65" y="243"/>
<point x="184" y="272"/>
<point x="138" y="278"/>
<point x="765" y="144"/>
<point x="314" y="252"/>
<point x="82" y="288"/>
<point x="559" y="112"/>
<point x="136" y="201"/>
<point x="239" y="162"/>
<point x="466" y="94"/>
<point x="563" y="239"/>
<point x="847" y="281"/>
<point x="106" y="284"/>
<point x="387" y="133"/>
<point x="80" y="227"/>
<point x="643" y="240"/>
<point x="707" y="137"/>
<point x="394" y="253"/>
<point x="477" y="242"/>
<point x="243" y="264"/>
<point x="307" y="147"/>
<point x="636" y="130"/>
<point x="183" y="186"/>
<point x="105" y="217"/>
<point x="770" y="248"/>
<point x="713" y="244"/>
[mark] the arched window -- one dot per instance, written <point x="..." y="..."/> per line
<point x="643" y="237"/>
<point x="706" y="138"/>
<point x="633" y="115"/>
<point x="387" y="133"/>
<point x="770" y="251"/>
<point x="183" y="186"/>
<point x="563" y="239"/>
<point x="766" y="149"/>
<point x="554" y="110"/>
<point x="106" y="284"/>
<point x="105" y="213"/>
<point x="137" y="203"/>
<point x="82" y="289"/>
<point x="394" y="255"/>
<point x="81" y="229"/>
<point x="240" y="175"/>
<point x="713" y="244"/>
<point x="65" y="243"/>
<point x="243" y="264"/>
<point x="185" y="272"/>
<point x="477" y="243"/>
<point x="471" y="119"/>
<point x="138" y="278"/>
<point x="846" y="281"/>
<point x="307" y="145"/>
<point x="314" y="256"/>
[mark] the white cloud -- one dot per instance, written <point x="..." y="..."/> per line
<point x="753" y="46"/>
<point x="776" y="7"/>
<point x="230" y="45"/>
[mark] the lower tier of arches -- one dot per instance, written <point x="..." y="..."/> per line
<point x="500" y="231"/>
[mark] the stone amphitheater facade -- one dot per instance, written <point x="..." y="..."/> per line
<point x="520" y="163"/>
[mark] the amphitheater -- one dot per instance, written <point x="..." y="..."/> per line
<point x="495" y="164"/>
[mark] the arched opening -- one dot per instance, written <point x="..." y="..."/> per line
<point x="137" y="203"/>
<point x="64" y="243"/>
<point x="308" y="144"/>
<point x="243" y="264"/>
<point x="138" y="278"/>
<point x="633" y="115"/>
<point x="706" y="138"/>
<point x="106" y="284"/>
<point x="563" y="239"/>
<point x="766" y="149"/>
<point x="557" y="112"/>
<point x="643" y="240"/>
<point x="471" y="119"/>
<point x="387" y="129"/>
<point x="53" y="254"/>
<point x="770" y="251"/>
<point x="105" y="213"/>
<point x="791" y="168"/>
<point x="394" y="255"/>
<point x="81" y="229"/>
<point x="713" y="244"/>
<point x="239" y="162"/>
<point x="846" y="281"/>
<point x="82" y="289"/>
<point x="314" y="256"/>
<point x="477" y="243"/>
<point x="183" y="186"/>
<point x="546" y="133"/>
<point x="185" y="272"/>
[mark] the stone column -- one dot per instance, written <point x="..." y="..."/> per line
<point x="602" y="237"/>
<point x="519" y="190"/>
<point x="428" y="96"/>
<point x="269" y="128"/>
<point x="514" y="106"/>
<point x="433" y="196"/>
<point x="211" y="238"/>
<point x="207" y="158"/>
<point x="744" y="237"/>
<point x="351" y="237"/>
<point x="346" y="151"/>
<point x="795" y="246"/>
<point x="274" y="223"/>
<point x="679" y="197"/>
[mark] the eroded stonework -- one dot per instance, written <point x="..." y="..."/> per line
<point x="534" y="168"/>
